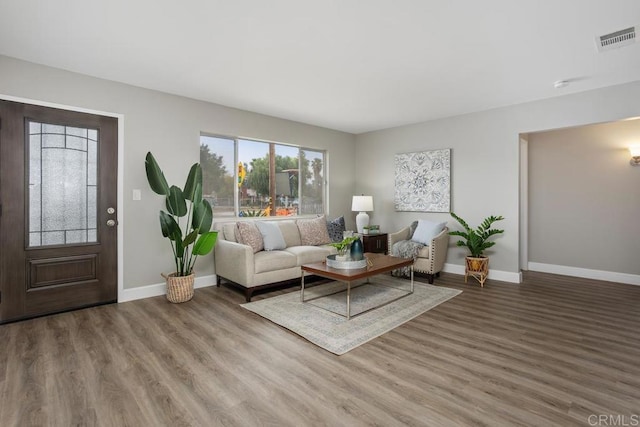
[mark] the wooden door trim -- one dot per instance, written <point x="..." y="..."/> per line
<point x="120" y="178"/>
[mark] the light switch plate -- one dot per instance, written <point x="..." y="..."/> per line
<point x="137" y="195"/>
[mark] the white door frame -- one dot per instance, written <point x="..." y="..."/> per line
<point x="524" y="203"/>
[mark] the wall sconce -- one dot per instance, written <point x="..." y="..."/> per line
<point x="635" y="155"/>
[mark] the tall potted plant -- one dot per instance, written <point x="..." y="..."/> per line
<point x="476" y="240"/>
<point x="189" y="239"/>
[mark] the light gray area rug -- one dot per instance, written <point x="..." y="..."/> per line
<point x="317" y="321"/>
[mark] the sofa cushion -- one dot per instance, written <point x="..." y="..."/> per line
<point x="309" y="254"/>
<point x="271" y="235"/>
<point x="313" y="232"/>
<point x="423" y="252"/>
<point x="251" y="236"/>
<point x="264" y="261"/>
<point x="229" y="231"/>
<point x="290" y="232"/>
<point x="427" y="230"/>
<point x="336" y="229"/>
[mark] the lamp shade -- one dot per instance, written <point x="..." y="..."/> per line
<point x="362" y="203"/>
<point x="634" y="150"/>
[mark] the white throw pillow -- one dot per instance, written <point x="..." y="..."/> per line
<point x="427" y="230"/>
<point x="271" y="236"/>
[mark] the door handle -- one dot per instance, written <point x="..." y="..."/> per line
<point x="111" y="223"/>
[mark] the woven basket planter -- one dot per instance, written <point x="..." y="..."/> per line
<point x="179" y="288"/>
<point x="477" y="268"/>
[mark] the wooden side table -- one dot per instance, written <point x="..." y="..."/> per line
<point x="375" y="243"/>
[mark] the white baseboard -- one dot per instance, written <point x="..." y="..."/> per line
<point x="161" y="289"/>
<point x="158" y="289"/>
<point x="504" y="276"/>
<point x="609" y="276"/>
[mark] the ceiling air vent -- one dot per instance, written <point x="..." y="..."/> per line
<point x="616" y="39"/>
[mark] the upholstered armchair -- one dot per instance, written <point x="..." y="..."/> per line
<point x="429" y="259"/>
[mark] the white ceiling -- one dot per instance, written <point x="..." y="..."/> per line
<point x="351" y="65"/>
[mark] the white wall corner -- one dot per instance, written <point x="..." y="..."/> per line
<point x="609" y="276"/>
<point x="161" y="289"/>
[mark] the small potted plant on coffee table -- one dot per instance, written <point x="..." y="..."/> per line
<point x="476" y="240"/>
<point x="343" y="247"/>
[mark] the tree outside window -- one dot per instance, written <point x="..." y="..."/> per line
<point x="270" y="179"/>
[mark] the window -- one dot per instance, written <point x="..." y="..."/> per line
<point x="242" y="177"/>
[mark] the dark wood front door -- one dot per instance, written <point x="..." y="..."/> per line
<point x="58" y="193"/>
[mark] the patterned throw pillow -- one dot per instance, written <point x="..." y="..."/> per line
<point x="335" y="228"/>
<point x="313" y="232"/>
<point x="251" y="236"/>
<point x="236" y="233"/>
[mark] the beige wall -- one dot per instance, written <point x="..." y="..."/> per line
<point x="485" y="161"/>
<point x="485" y="154"/>
<point x="584" y="198"/>
<point x="170" y="127"/>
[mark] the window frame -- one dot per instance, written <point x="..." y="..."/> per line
<point x="236" y="197"/>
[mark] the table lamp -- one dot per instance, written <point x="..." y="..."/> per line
<point x="362" y="204"/>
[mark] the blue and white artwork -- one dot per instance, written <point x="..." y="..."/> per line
<point x="423" y="181"/>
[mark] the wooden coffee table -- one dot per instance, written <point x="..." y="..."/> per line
<point x="377" y="264"/>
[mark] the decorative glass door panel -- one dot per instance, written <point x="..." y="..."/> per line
<point x="63" y="185"/>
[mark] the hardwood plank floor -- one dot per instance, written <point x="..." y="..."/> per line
<point x="553" y="351"/>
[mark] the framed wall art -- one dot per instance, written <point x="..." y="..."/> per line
<point x="423" y="181"/>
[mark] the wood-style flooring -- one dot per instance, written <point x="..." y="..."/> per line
<point x="553" y="351"/>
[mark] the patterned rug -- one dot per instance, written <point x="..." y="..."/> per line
<point x="317" y="320"/>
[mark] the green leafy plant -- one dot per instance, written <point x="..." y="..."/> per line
<point x="193" y="237"/>
<point x="344" y="244"/>
<point x="476" y="239"/>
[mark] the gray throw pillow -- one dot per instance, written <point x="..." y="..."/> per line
<point x="271" y="235"/>
<point x="336" y="228"/>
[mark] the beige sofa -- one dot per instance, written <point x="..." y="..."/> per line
<point x="430" y="259"/>
<point x="240" y="265"/>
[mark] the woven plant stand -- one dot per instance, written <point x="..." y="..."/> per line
<point x="477" y="268"/>
<point x="179" y="288"/>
